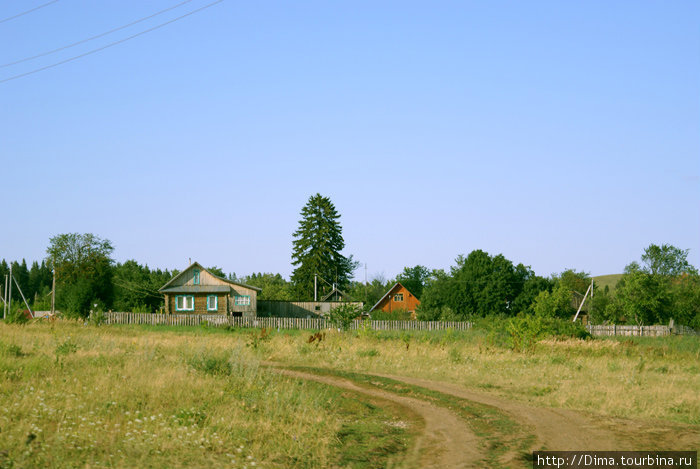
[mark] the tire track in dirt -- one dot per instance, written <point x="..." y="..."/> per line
<point x="446" y="441"/>
<point x="570" y="430"/>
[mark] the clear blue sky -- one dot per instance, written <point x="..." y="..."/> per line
<point x="561" y="134"/>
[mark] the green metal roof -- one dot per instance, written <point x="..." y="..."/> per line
<point x="163" y="289"/>
<point x="198" y="289"/>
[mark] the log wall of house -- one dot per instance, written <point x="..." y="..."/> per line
<point x="200" y="303"/>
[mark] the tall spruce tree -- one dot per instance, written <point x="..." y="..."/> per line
<point x="316" y="250"/>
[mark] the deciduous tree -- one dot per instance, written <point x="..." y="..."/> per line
<point x="662" y="287"/>
<point x="414" y="279"/>
<point x="83" y="271"/>
<point x="666" y="260"/>
<point x="479" y="285"/>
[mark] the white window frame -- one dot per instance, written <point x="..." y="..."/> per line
<point x="195" y="277"/>
<point x="184" y="302"/>
<point x="398" y="298"/>
<point x="242" y="300"/>
<point x="216" y="303"/>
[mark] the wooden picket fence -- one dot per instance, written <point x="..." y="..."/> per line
<point x="647" y="331"/>
<point x="219" y="320"/>
<point x="684" y="330"/>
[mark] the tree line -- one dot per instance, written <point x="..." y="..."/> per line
<point x="87" y="278"/>
<point x="661" y="286"/>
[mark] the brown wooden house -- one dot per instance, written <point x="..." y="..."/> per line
<point x="198" y="291"/>
<point x="397" y="299"/>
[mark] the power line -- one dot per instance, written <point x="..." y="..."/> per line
<point x="28" y="11"/>
<point x="110" y="44"/>
<point x="140" y="20"/>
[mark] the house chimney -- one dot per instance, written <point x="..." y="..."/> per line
<point x="189" y="259"/>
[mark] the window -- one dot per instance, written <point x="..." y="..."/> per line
<point x="212" y="303"/>
<point x="184" y="303"/>
<point x="242" y="300"/>
<point x="195" y="277"/>
<point x="398" y="297"/>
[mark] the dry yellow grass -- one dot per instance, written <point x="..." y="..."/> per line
<point x="79" y="396"/>
<point x="75" y="396"/>
<point x="654" y="378"/>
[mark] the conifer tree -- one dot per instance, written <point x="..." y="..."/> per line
<point x="316" y="250"/>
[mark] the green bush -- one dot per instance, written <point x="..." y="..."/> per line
<point x="526" y="330"/>
<point x="342" y="316"/>
<point x="368" y="353"/>
<point x="211" y="363"/>
<point x="65" y="348"/>
<point x="142" y="308"/>
<point x="98" y="318"/>
<point x="398" y="315"/>
<point x="553" y="304"/>
<point x="16" y="316"/>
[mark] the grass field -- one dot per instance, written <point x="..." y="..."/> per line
<point x="607" y="280"/>
<point x="119" y="396"/>
<point x="76" y="396"/>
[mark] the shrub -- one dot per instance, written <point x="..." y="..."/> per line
<point x="342" y="316"/>
<point x="65" y="348"/>
<point x="142" y="308"/>
<point x="553" y="304"/>
<point x="16" y="316"/>
<point x="211" y="364"/>
<point x="526" y="330"/>
<point x="258" y="338"/>
<point x="11" y="350"/>
<point x="98" y="318"/>
<point x="398" y="315"/>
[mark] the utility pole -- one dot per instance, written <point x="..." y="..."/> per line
<point x="315" y="287"/>
<point x="23" y="298"/>
<point x="9" y="294"/>
<point x="53" y="290"/>
<point x="365" y="282"/>
<point x="4" y="299"/>
<point x="590" y="288"/>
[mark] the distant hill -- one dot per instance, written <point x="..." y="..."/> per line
<point x="610" y="280"/>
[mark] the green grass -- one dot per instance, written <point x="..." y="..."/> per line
<point x="498" y="432"/>
<point x="607" y="280"/>
<point x="374" y="434"/>
<point x="129" y="397"/>
<point x="156" y="396"/>
<point x="600" y="375"/>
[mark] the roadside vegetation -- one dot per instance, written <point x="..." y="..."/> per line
<point x="77" y="396"/>
<point x="125" y="396"/>
<point x="635" y="377"/>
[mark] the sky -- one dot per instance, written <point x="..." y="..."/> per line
<point x="559" y="134"/>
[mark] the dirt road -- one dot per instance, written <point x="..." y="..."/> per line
<point x="564" y="430"/>
<point x="448" y="440"/>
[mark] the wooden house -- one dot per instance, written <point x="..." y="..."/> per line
<point x="198" y="291"/>
<point x="397" y="299"/>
